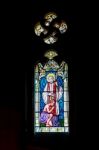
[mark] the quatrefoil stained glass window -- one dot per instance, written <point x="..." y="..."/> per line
<point x="60" y="27"/>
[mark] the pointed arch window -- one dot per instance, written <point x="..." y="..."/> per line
<point x="51" y="96"/>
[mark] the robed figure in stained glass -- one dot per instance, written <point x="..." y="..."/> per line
<point x="51" y="95"/>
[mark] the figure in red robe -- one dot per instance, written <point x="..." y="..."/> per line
<point x="52" y="90"/>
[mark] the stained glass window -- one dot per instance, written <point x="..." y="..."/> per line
<point x="59" y="27"/>
<point x="51" y="100"/>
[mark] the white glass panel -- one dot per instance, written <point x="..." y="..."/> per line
<point x="45" y="129"/>
<point x="66" y="118"/>
<point x="66" y="129"/>
<point x="36" y="107"/>
<point x="37" y="129"/>
<point x="37" y="121"/>
<point x="36" y="97"/>
<point x="66" y="122"/>
<point x="66" y="106"/>
<point x="36" y="115"/>
<point x="65" y="84"/>
<point x="53" y="129"/>
<point x="60" y="129"/>
<point x="66" y="97"/>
